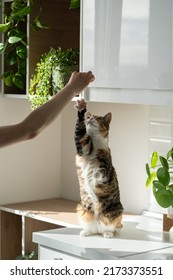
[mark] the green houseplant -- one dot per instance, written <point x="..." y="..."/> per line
<point x="14" y="47"/>
<point x="160" y="175"/>
<point x="51" y="74"/>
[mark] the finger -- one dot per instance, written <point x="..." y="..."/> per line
<point x="90" y="74"/>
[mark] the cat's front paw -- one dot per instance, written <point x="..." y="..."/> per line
<point x="84" y="233"/>
<point x="80" y="105"/>
<point x="108" y="234"/>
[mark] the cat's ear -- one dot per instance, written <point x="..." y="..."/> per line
<point x="108" y="117"/>
<point x="88" y="115"/>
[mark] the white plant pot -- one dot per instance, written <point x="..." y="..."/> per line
<point x="170" y="212"/>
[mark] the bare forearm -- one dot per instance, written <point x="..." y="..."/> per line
<point x="41" y="117"/>
<point x="45" y="114"/>
<point x="36" y="121"/>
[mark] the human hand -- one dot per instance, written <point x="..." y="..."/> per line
<point x="80" y="80"/>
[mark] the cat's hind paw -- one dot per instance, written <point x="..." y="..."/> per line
<point x="80" y="105"/>
<point x="84" y="233"/>
<point x="108" y="234"/>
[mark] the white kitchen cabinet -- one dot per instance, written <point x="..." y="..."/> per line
<point x="128" y="44"/>
<point x="140" y="236"/>
<point x="46" y="253"/>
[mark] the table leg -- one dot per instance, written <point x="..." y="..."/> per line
<point x="32" y="225"/>
<point x="10" y="235"/>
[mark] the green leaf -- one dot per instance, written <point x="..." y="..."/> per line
<point x="16" y="33"/>
<point x="14" y="39"/>
<point x="163" y="176"/>
<point x="164" y="162"/>
<point x="21" y="52"/>
<point x="74" y="4"/>
<point x="22" y="67"/>
<point x="154" y="159"/>
<point x="20" y="14"/>
<point x="147" y="169"/>
<point x="170" y="188"/>
<point x="37" y="24"/>
<point x="8" y="80"/>
<point x="150" y="179"/>
<point x="154" y="190"/>
<point x="11" y="58"/>
<point x="18" y="81"/>
<point x="3" y="47"/>
<point x="158" y="185"/>
<point x="4" y="27"/>
<point x="170" y="154"/>
<point x="164" y="198"/>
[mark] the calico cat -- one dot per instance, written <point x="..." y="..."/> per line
<point x="100" y="209"/>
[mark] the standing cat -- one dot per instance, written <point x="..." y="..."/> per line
<point x="100" y="209"/>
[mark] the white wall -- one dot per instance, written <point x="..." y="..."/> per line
<point x="129" y="145"/>
<point x="29" y="170"/>
<point x="45" y="167"/>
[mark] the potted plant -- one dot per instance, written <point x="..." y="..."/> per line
<point x="160" y="175"/>
<point x="51" y="74"/>
<point x="14" y="47"/>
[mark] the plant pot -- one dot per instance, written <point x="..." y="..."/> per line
<point x="170" y="212"/>
<point x="60" y="79"/>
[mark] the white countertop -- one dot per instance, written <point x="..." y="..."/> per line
<point x="139" y="237"/>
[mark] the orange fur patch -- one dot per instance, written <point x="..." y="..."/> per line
<point x="117" y="222"/>
<point x="85" y="215"/>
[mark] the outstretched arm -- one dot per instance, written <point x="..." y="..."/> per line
<point x="41" y="117"/>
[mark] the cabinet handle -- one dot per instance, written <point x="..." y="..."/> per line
<point x="59" y="259"/>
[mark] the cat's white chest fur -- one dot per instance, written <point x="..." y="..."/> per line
<point x="100" y="142"/>
<point x="89" y="179"/>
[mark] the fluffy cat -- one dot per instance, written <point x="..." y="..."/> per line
<point x="100" y="209"/>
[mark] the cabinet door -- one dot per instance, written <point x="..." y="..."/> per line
<point x="128" y="44"/>
<point x="50" y="254"/>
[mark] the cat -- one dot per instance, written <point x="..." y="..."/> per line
<point x="100" y="210"/>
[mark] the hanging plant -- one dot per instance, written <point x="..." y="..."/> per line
<point x="160" y="175"/>
<point x="51" y="74"/>
<point x="15" y="42"/>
